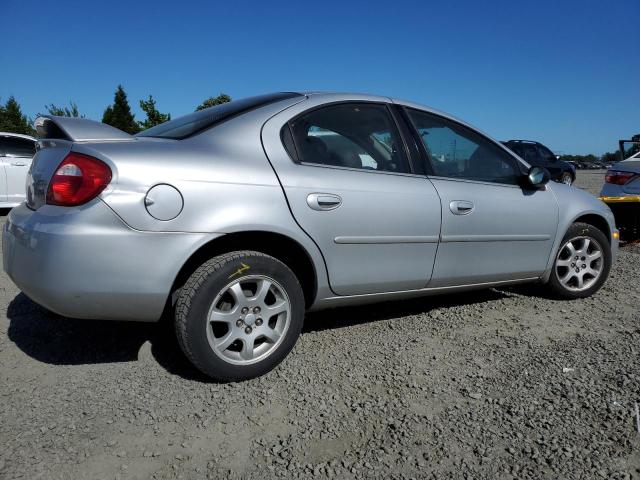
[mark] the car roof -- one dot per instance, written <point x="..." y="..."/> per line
<point x="17" y="135"/>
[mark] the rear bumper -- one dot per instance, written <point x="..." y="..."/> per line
<point x="85" y="262"/>
<point x="626" y="210"/>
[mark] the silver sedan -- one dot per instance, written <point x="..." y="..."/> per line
<point x="237" y="219"/>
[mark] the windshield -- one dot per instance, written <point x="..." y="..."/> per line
<point x="196" y="122"/>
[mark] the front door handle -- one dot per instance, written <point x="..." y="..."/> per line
<point x="461" y="207"/>
<point x="323" y="201"/>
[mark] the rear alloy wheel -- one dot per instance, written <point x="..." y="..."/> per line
<point x="239" y="315"/>
<point x="582" y="263"/>
<point x="566" y="178"/>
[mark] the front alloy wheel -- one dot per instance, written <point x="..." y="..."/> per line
<point x="582" y="263"/>
<point x="579" y="263"/>
<point x="566" y="178"/>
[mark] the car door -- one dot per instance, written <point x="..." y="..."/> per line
<point x="18" y="154"/>
<point x="492" y="229"/>
<point x="346" y="173"/>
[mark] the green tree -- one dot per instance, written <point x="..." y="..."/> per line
<point x="610" y="157"/>
<point x="119" y="114"/>
<point x="71" y="111"/>
<point x="13" y="120"/>
<point x="154" y="117"/>
<point x="213" y="101"/>
<point x="579" y="158"/>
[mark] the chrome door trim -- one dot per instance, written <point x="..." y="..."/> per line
<point x="495" y="238"/>
<point x="372" y="239"/>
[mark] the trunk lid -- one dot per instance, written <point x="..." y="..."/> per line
<point x="57" y="135"/>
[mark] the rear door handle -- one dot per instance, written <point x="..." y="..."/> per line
<point x="18" y="164"/>
<point x="461" y="207"/>
<point x="323" y="201"/>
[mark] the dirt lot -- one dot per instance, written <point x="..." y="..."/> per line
<point x="495" y="384"/>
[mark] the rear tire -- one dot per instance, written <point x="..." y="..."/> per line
<point x="239" y="315"/>
<point x="581" y="264"/>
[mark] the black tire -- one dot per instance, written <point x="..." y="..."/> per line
<point x="566" y="178"/>
<point x="581" y="230"/>
<point x="196" y="297"/>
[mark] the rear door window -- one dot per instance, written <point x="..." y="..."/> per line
<point x="546" y="155"/>
<point x="531" y="154"/>
<point x="353" y="135"/>
<point x="17" y="147"/>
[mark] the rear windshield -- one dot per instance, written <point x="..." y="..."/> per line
<point x="196" y="122"/>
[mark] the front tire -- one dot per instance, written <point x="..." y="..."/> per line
<point x="239" y="315"/>
<point x="582" y="263"/>
<point x="566" y="178"/>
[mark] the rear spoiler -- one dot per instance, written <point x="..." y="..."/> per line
<point x="76" y="129"/>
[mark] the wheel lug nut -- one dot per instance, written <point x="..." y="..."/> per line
<point x="573" y="265"/>
<point x="245" y="310"/>
<point x="584" y="266"/>
<point x="259" y="322"/>
<point x="256" y="309"/>
<point x="247" y="330"/>
<point x="239" y="323"/>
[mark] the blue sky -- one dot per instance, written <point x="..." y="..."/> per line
<point x="566" y="73"/>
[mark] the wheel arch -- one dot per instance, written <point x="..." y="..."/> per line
<point x="279" y="246"/>
<point x="589" y="217"/>
<point x="597" y="221"/>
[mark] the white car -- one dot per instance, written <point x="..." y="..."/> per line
<point x="16" y="153"/>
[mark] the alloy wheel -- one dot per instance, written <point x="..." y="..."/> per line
<point x="248" y="319"/>
<point x="579" y="263"/>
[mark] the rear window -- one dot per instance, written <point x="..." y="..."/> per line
<point x="196" y="122"/>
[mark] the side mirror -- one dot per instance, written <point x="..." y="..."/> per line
<point x="538" y="177"/>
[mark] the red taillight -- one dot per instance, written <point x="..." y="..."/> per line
<point x="618" y="178"/>
<point x="78" y="179"/>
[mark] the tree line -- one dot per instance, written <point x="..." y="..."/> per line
<point x="118" y="114"/>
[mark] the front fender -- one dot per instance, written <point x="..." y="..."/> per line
<point x="573" y="204"/>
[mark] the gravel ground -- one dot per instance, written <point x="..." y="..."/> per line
<point x="495" y="384"/>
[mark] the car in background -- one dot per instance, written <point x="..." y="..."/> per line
<point x="536" y="154"/>
<point x="16" y="153"/>
<point x="621" y="191"/>
<point x="574" y="164"/>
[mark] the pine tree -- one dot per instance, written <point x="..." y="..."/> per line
<point x="12" y="120"/>
<point x="154" y="117"/>
<point x="119" y="114"/>
<point x="213" y="101"/>
<point x="71" y="111"/>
